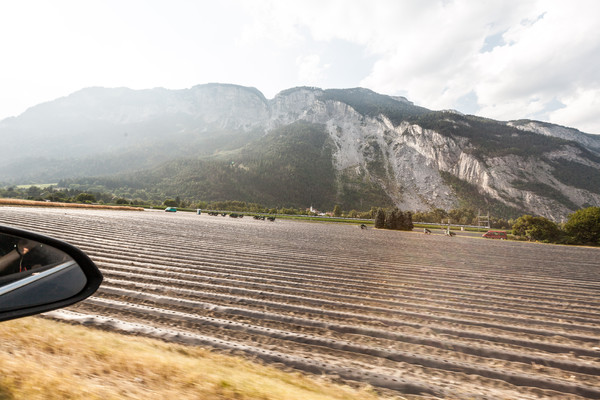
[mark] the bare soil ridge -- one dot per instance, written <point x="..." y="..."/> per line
<point x="451" y="317"/>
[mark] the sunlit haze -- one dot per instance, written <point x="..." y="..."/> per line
<point x="498" y="59"/>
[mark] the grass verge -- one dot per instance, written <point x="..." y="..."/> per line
<point x="458" y="228"/>
<point x="327" y="219"/>
<point x="45" y="359"/>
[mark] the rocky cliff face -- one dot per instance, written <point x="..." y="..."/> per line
<point x="590" y="141"/>
<point x="407" y="160"/>
<point x="227" y="107"/>
<point x="415" y="155"/>
<point x="404" y="160"/>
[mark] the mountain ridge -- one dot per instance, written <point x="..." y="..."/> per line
<point x="379" y="143"/>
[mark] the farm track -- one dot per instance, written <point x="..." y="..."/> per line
<point x="453" y="317"/>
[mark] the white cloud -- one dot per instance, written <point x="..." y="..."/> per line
<point x="269" y="22"/>
<point x="517" y="58"/>
<point x="556" y="56"/>
<point x="582" y="111"/>
<point x="310" y="69"/>
<point x="504" y="59"/>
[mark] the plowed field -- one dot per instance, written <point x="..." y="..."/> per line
<point x="458" y="318"/>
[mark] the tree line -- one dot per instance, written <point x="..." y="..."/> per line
<point x="582" y="227"/>
<point x="461" y="216"/>
<point x="394" y="219"/>
<point x="65" y="195"/>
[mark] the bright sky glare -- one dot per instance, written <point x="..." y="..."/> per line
<point x="503" y="59"/>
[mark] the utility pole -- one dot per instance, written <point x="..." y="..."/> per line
<point x="483" y="221"/>
<point x="448" y="228"/>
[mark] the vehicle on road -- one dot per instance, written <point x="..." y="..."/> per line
<point x="495" y="235"/>
<point x="171" y="209"/>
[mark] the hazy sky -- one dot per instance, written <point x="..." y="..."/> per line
<point x="501" y="59"/>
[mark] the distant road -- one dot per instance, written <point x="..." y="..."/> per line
<point x="457" y="231"/>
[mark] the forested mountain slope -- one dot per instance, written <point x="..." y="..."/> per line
<point x="306" y="146"/>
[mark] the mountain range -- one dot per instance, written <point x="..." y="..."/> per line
<point x="306" y="146"/>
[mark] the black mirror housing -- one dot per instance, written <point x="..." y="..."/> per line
<point x="45" y="287"/>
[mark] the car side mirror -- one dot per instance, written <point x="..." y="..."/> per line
<point x="39" y="274"/>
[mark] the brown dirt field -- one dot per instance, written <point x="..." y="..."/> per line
<point x="459" y="318"/>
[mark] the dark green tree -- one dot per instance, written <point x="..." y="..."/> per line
<point x="583" y="226"/>
<point x="463" y="216"/>
<point x="536" y="228"/>
<point x="170" y="203"/>
<point x="439" y="214"/>
<point x="391" y="219"/>
<point x="337" y="211"/>
<point x="33" y="192"/>
<point x="401" y="222"/>
<point x="408" y="222"/>
<point x="85" y="198"/>
<point x="373" y="212"/>
<point x="380" y="219"/>
<point x="395" y="219"/>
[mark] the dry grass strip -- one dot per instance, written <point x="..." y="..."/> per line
<point x="32" y="203"/>
<point x="45" y="359"/>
